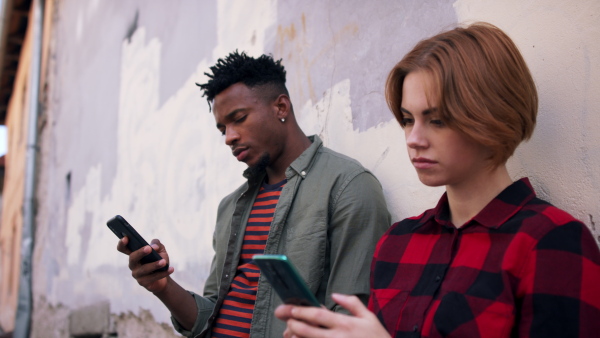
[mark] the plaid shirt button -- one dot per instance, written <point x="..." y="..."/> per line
<point x="438" y="278"/>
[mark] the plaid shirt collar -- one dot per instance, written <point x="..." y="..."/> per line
<point x="496" y="213"/>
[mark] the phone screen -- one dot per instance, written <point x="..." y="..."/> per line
<point x="285" y="279"/>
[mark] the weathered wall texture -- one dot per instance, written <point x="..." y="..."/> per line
<point x="14" y="188"/>
<point x="128" y="133"/>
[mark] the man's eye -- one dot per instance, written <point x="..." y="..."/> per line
<point x="241" y="119"/>
<point x="222" y="131"/>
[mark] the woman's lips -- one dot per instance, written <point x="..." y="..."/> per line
<point x="423" y="163"/>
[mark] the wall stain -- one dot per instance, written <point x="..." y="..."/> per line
<point x="381" y="158"/>
<point x="294" y="45"/>
<point x="132" y="27"/>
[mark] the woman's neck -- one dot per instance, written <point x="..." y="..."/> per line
<point x="468" y="198"/>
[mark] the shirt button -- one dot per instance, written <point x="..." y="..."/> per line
<point x="226" y="276"/>
<point x="415" y="328"/>
<point x="303" y="173"/>
<point x="438" y="278"/>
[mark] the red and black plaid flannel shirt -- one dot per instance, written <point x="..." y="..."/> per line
<point x="519" y="268"/>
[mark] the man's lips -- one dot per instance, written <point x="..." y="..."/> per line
<point x="240" y="153"/>
<point x="423" y="163"/>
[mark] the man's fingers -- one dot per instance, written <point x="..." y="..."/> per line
<point x="122" y="245"/>
<point x="352" y="304"/>
<point x="136" y="256"/>
<point x="144" y="270"/>
<point x="149" y="278"/>
<point x="156" y="244"/>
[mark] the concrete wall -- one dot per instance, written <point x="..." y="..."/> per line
<point x="128" y="133"/>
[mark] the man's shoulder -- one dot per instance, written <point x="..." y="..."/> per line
<point x="338" y="162"/>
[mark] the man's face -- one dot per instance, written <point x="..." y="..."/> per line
<point x="249" y="124"/>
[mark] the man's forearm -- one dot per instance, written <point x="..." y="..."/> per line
<point x="180" y="302"/>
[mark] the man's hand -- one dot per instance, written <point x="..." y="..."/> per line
<point x="144" y="274"/>
<point x="319" y="322"/>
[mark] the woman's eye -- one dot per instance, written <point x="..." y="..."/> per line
<point x="406" y="121"/>
<point x="438" y="123"/>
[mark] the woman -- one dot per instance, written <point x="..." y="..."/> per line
<point x="491" y="259"/>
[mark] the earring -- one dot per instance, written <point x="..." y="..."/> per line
<point x="282" y="120"/>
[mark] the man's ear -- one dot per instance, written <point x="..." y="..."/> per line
<point x="283" y="106"/>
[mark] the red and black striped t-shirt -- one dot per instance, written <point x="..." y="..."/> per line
<point x="235" y="315"/>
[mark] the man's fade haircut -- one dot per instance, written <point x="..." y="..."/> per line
<point x="253" y="72"/>
<point x="481" y="82"/>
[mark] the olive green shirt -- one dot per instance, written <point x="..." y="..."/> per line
<point x="328" y="220"/>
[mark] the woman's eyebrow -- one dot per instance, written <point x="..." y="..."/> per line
<point x="429" y="111"/>
<point x="424" y="113"/>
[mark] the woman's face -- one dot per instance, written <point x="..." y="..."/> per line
<point x="441" y="156"/>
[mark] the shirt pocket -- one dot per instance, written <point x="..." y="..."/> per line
<point x="305" y="246"/>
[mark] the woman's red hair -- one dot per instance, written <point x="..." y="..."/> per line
<point x="482" y="86"/>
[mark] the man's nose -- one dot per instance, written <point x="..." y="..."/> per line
<point x="231" y="136"/>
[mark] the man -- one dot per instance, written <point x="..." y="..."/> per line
<point x="320" y="208"/>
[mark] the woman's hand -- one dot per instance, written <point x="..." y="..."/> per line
<point x="319" y="322"/>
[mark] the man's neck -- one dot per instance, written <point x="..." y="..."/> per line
<point x="295" y="148"/>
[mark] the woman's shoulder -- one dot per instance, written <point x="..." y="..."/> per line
<point x="552" y="228"/>
<point x="540" y="217"/>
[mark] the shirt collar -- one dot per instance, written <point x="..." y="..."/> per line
<point x="302" y="164"/>
<point x="495" y="213"/>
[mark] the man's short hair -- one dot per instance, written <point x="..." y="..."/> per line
<point x="482" y="85"/>
<point x="263" y="72"/>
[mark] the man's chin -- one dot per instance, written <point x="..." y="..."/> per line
<point x="258" y="167"/>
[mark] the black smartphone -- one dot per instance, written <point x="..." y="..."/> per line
<point x="285" y="279"/>
<point x="122" y="228"/>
